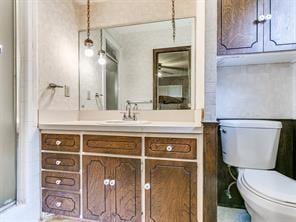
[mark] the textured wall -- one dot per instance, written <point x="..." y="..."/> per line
<point x="255" y="91"/>
<point x="57" y="53"/>
<point x="210" y="60"/>
<point x="118" y="12"/>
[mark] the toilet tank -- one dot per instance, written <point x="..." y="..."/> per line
<point x="250" y="143"/>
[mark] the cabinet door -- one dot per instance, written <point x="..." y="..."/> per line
<point x="238" y="28"/>
<point x="172" y="195"/>
<point x="126" y="195"/>
<point x="96" y="195"/>
<point x="280" y="30"/>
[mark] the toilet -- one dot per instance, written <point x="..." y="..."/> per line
<point x="251" y="146"/>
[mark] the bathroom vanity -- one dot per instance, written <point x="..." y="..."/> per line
<point x="146" y="172"/>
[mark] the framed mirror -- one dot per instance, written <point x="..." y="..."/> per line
<point x="144" y="67"/>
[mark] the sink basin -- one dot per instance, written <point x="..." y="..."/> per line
<point x="126" y="122"/>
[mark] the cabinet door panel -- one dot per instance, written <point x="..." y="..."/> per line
<point x="280" y="31"/>
<point x="96" y="196"/>
<point x="127" y="192"/>
<point x="172" y="196"/>
<point x="238" y="27"/>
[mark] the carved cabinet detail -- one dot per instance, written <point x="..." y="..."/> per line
<point x="112" y="189"/>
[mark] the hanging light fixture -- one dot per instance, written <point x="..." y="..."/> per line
<point x="174" y="20"/>
<point x="88" y="43"/>
<point x="102" y="54"/>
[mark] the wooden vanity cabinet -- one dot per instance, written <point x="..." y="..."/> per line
<point x="112" y="189"/>
<point x="181" y="148"/>
<point x="172" y="195"/>
<point x="241" y="30"/>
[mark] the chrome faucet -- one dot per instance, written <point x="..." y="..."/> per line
<point x="128" y="115"/>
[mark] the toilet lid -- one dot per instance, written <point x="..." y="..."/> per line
<point x="272" y="184"/>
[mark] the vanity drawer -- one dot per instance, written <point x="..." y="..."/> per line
<point x="63" y="162"/>
<point x="61" y="142"/>
<point x="61" y="203"/>
<point x="61" y="181"/>
<point x="112" y="144"/>
<point x="183" y="148"/>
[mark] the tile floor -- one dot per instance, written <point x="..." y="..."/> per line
<point x="233" y="215"/>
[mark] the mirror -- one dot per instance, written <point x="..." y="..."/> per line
<point x="144" y="67"/>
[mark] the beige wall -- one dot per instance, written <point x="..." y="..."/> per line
<point x="57" y="54"/>
<point x="256" y="91"/>
<point x="124" y="12"/>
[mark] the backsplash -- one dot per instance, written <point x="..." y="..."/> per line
<point x="256" y="91"/>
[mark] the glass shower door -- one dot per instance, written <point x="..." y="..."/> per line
<point x="7" y="105"/>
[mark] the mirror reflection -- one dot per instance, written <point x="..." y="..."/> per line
<point x="139" y="65"/>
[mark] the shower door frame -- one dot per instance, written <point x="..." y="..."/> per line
<point x="16" y="107"/>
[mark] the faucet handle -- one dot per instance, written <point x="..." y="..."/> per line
<point x="135" y="115"/>
<point x="124" y="117"/>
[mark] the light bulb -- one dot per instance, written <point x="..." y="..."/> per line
<point x="159" y="74"/>
<point x="102" y="59"/>
<point x="88" y="52"/>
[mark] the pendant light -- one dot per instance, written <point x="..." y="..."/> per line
<point x="102" y="54"/>
<point x="88" y="43"/>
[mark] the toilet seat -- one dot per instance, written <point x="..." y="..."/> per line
<point x="270" y="185"/>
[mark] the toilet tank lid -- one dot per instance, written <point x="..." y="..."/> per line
<point x="251" y="124"/>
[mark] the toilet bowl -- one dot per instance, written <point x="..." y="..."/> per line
<point x="251" y="146"/>
<point x="268" y="195"/>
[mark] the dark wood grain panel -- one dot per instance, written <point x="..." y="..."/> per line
<point x="184" y="148"/>
<point x="238" y="29"/>
<point x="62" y="162"/>
<point x="96" y="196"/>
<point x="172" y="196"/>
<point x="61" y="203"/>
<point x="112" y="144"/>
<point x="280" y="31"/>
<point x="127" y="192"/>
<point x="61" y="181"/>
<point x="61" y="142"/>
<point x="210" y="152"/>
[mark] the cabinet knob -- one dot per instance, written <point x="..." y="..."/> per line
<point x="58" y="162"/>
<point x="147" y="186"/>
<point x="112" y="183"/>
<point x="58" y="142"/>
<point x="261" y="19"/>
<point x="169" y="148"/>
<point x="106" y="182"/>
<point x="58" y="204"/>
<point x="58" y="182"/>
<point x="268" y="17"/>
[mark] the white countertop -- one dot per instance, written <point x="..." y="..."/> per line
<point x="151" y="127"/>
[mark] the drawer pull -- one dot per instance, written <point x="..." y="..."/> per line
<point x="58" y="204"/>
<point x="112" y="183"/>
<point x="58" y="162"/>
<point x="58" y="142"/>
<point x="147" y="186"/>
<point x="58" y="182"/>
<point x="106" y="182"/>
<point x="169" y="148"/>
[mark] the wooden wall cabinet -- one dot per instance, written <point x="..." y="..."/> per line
<point x="254" y="26"/>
